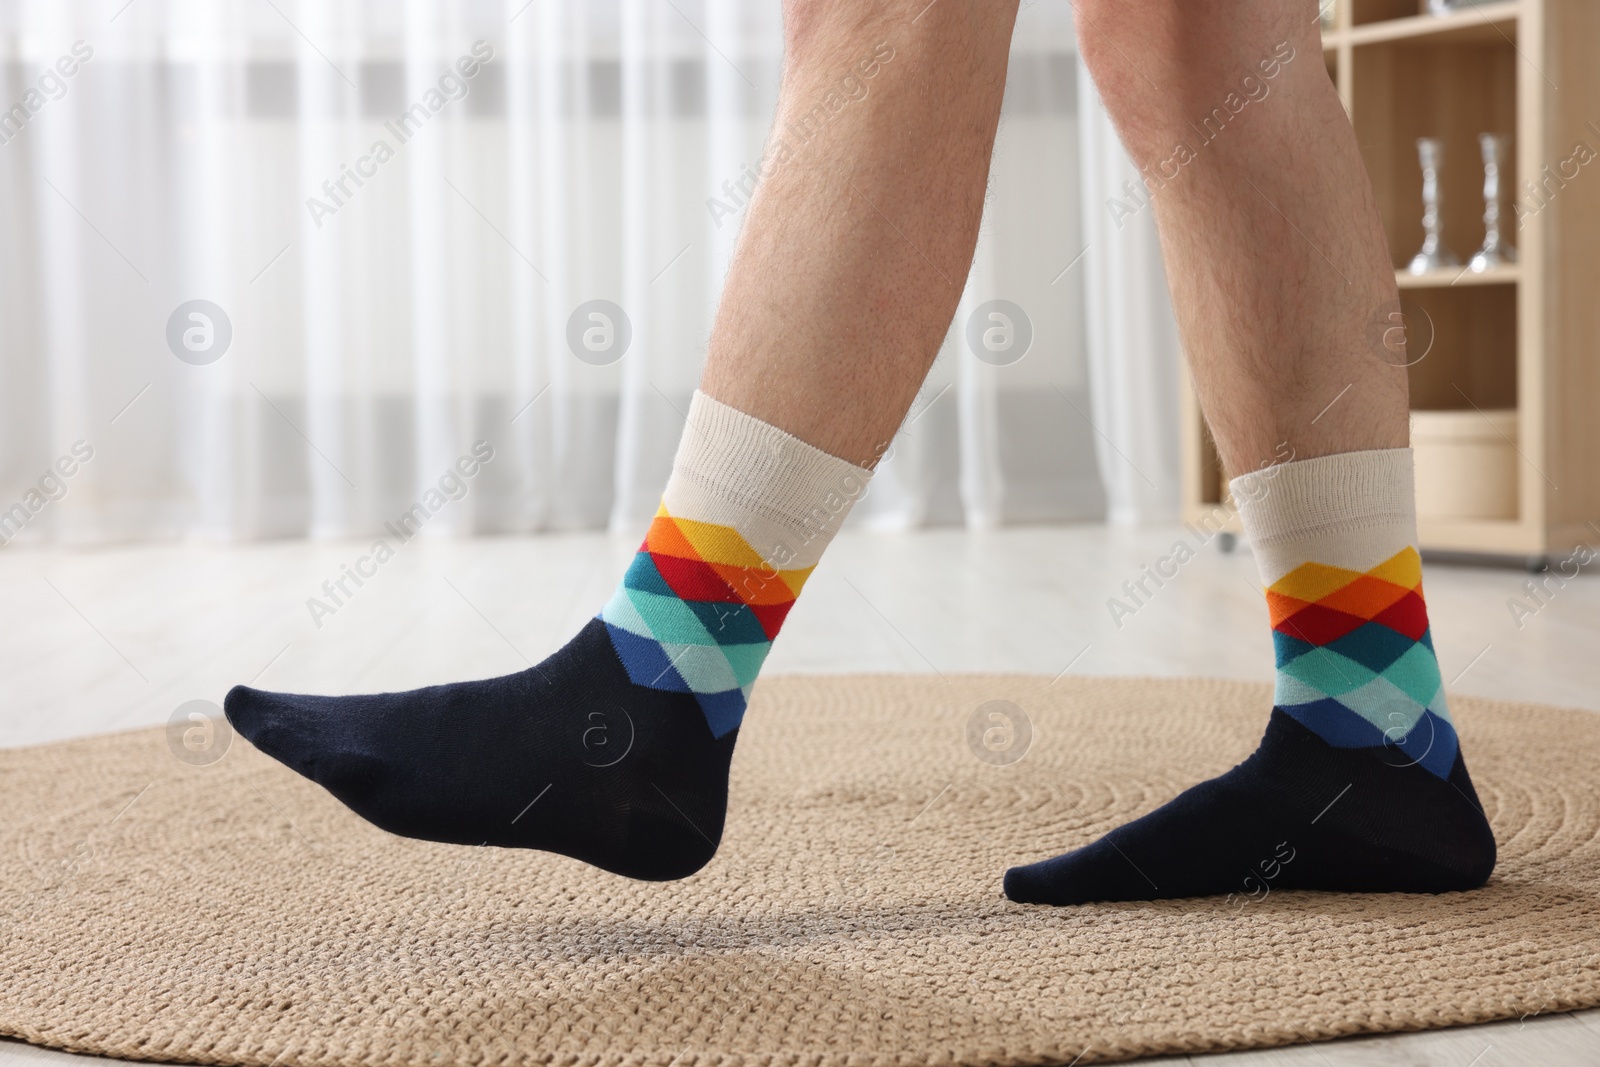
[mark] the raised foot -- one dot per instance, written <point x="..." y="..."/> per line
<point x="568" y="757"/>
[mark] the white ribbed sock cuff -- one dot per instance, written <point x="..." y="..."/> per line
<point x="1353" y="510"/>
<point x="786" y="498"/>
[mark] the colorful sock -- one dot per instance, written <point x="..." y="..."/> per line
<point x="615" y="750"/>
<point x="1359" y="784"/>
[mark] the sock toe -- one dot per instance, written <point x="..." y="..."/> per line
<point x="1098" y="871"/>
<point x="268" y="722"/>
<point x="242" y="706"/>
<point x="1029" y="884"/>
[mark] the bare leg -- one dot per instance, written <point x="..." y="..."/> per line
<point x="854" y="254"/>
<point x="1277" y="263"/>
<point x="1274" y="249"/>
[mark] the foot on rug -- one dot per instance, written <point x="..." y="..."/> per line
<point x="1359" y="784"/>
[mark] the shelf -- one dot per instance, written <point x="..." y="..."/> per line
<point x="1516" y="338"/>
<point x="1486" y="23"/>
<point x="1457" y="276"/>
<point x="1501" y="537"/>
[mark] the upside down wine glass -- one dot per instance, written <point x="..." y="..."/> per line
<point x="1497" y="250"/>
<point x="1433" y="254"/>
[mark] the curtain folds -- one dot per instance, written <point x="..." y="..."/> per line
<point x="422" y="229"/>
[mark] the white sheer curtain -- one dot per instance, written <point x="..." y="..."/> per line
<point x="403" y="252"/>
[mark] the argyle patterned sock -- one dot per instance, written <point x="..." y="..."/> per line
<point x="615" y="749"/>
<point x="1355" y="659"/>
<point x="1359" y="780"/>
<point x="696" y="613"/>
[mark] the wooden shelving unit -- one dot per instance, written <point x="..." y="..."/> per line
<point x="1524" y="338"/>
<point x="1445" y="279"/>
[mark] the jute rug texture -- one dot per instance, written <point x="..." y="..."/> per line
<point x="235" y="914"/>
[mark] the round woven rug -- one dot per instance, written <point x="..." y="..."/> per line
<point x="235" y="914"/>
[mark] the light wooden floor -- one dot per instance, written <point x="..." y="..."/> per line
<point x="113" y="639"/>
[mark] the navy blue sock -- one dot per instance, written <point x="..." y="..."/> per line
<point x="569" y="756"/>
<point x="1298" y="814"/>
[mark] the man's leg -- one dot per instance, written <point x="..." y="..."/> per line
<point x="856" y="250"/>
<point x="615" y="750"/>
<point x="1277" y="264"/>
